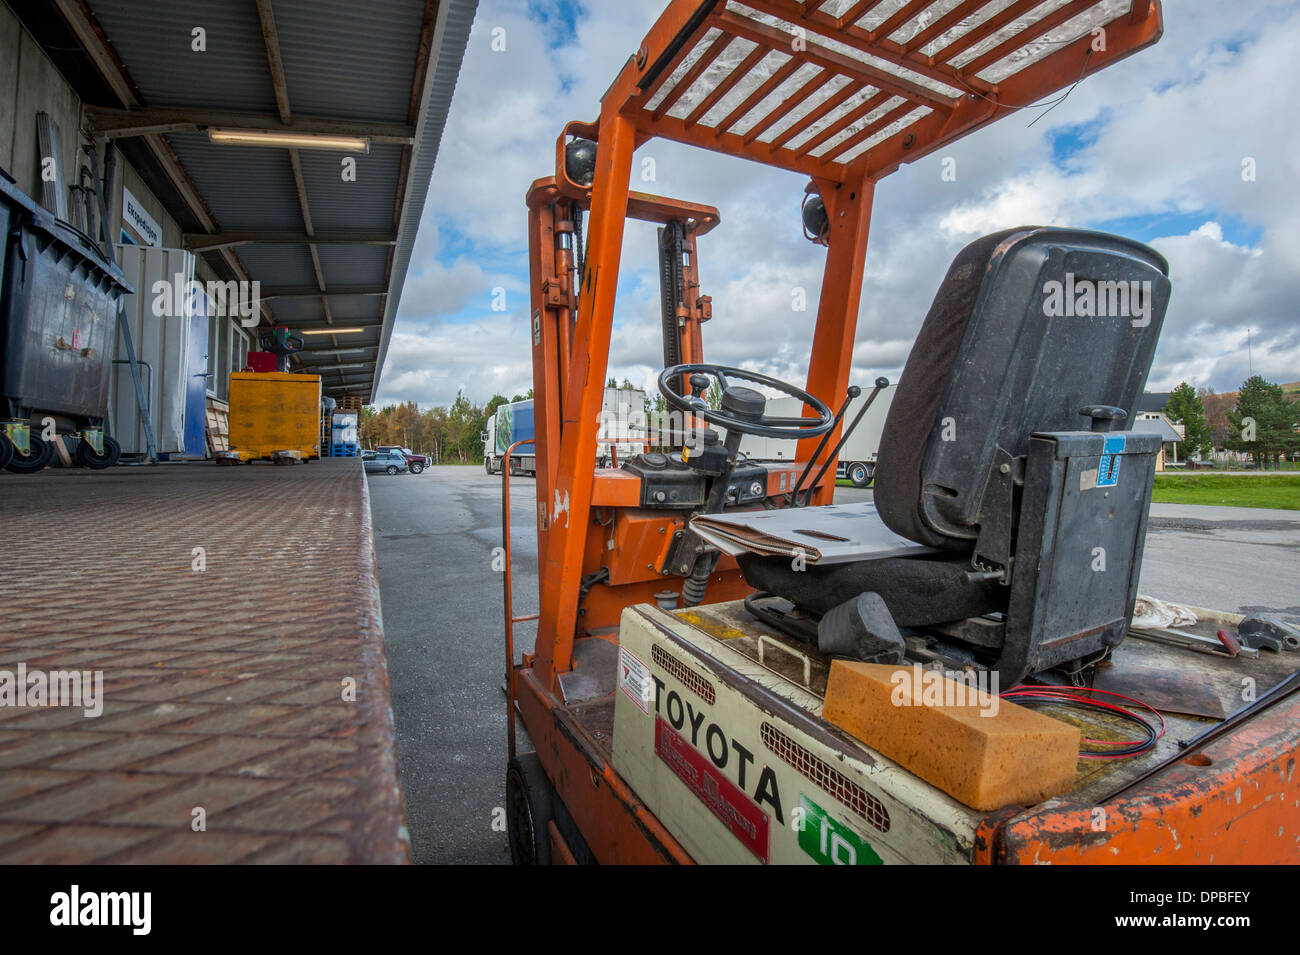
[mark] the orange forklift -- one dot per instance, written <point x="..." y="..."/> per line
<point x="698" y="607"/>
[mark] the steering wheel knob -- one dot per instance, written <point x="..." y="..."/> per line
<point x="699" y="385"/>
<point x="744" y="402"/>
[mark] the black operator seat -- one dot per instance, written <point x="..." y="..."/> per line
<point x="1005" y="451"/>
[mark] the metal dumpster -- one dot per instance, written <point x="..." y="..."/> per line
<point x="58" y="319"/>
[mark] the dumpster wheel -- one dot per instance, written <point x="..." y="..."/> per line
<point x="40" y="453"/>
<point x="87" y="457"/>
<point x="529" y="808"/>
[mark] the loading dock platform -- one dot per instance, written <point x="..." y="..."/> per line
<point x="234" y="616"/>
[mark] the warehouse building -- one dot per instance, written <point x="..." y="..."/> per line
<point x="250" y="166"/>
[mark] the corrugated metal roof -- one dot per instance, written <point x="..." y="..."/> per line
<point x="154" y="40"/>
<point x="352" y="264"/>
<point x="278" y="264"/>
<point x="365" y="204"/>
<point x="371" y="56"/>
<point x="245" y="187"/>
<point x="342" y="61"/>
<point x="346" y="309"/>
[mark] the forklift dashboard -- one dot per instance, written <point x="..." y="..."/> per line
<point x="670" y="482"/>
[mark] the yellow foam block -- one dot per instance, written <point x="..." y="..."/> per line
<point x="981" y="750"/>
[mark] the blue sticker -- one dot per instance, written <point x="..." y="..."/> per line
<point x="1111" y="452"/>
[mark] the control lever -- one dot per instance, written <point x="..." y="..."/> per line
<point x="880" y="384"/>
<point x="853" y="392"/>
<point x="1104" y="418"/>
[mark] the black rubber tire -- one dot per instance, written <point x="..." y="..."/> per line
<point x="417" y="467"/>
<point x="6" y="450"/>
<point x="39" y="455"/>
<point x="487" y="465"/>
<point x="859" y="474"/>
<point x="391" y="469"/>
<point x="87" y="457"/>
<point x="530" y="806"/>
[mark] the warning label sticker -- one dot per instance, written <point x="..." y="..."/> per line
<point x="634" y="679"/>
<point x="1111" y="455"/>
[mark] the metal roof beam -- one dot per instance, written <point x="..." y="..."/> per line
<point x="120" y="123"/>
<point x="311" y="291"/>
<point x="271" y="40"/>
<point x="205" y="242"/>
<point x="91" y="36"/>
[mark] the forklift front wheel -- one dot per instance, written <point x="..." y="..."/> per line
<point x="40" y="453"/>
<point x="87" y="457"/>
<point x="530" y="801"/>
<point x="6" y="451"/>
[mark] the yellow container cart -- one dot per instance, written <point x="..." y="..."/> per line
<point x="274" y="416"/>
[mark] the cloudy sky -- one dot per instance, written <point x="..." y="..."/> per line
<point x="1152" y="148"/>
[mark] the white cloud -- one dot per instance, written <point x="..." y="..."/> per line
<point x="1163" y="134"/>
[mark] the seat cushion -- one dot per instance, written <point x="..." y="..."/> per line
<point x="918" y="591"/>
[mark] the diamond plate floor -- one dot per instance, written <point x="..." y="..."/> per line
<point x="228" y="732"/>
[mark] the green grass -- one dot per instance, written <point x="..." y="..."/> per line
<point x="1280" y="491"/>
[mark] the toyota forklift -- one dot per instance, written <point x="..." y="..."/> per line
<point x="682" y="701"/>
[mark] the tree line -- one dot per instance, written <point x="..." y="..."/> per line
<point x="450" y="435"/>
<point x="1261" y="420"/>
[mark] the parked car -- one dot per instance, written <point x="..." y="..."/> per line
<point x="416" y="462"/>
<point x="389" y="462"/>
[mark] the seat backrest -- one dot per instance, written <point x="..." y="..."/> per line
<point x="1030" y="326"/>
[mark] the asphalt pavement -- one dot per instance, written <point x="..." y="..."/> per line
<point x="434" y="536"/>
<point x="442" y="609"/>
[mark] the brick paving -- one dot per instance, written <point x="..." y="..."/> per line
<point x="223" y="688"/>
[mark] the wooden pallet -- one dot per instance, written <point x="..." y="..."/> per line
<point x="218" y="426"/>
<point x="349" y="403"/>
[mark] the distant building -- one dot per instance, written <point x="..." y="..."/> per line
<point x="1157" y="422"/>
<point x="1152" y="401"/>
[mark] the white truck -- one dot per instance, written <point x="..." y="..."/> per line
<point x="622" y="426"/>
<point x="622" y="432"/>
<point x="857" y="458"/>
<point x="511" y="423"/>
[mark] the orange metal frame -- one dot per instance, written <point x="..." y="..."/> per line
<point x="889" y="100"/>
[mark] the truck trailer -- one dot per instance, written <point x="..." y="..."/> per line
<point x="622" y="432"/>
<point x="510" y="424"/>
<point x="856" y="460"/>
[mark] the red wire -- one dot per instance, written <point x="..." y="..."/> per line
<point x="1069" y="694"/>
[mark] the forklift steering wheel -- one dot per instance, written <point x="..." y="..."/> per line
<point x="743" y="408"/>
